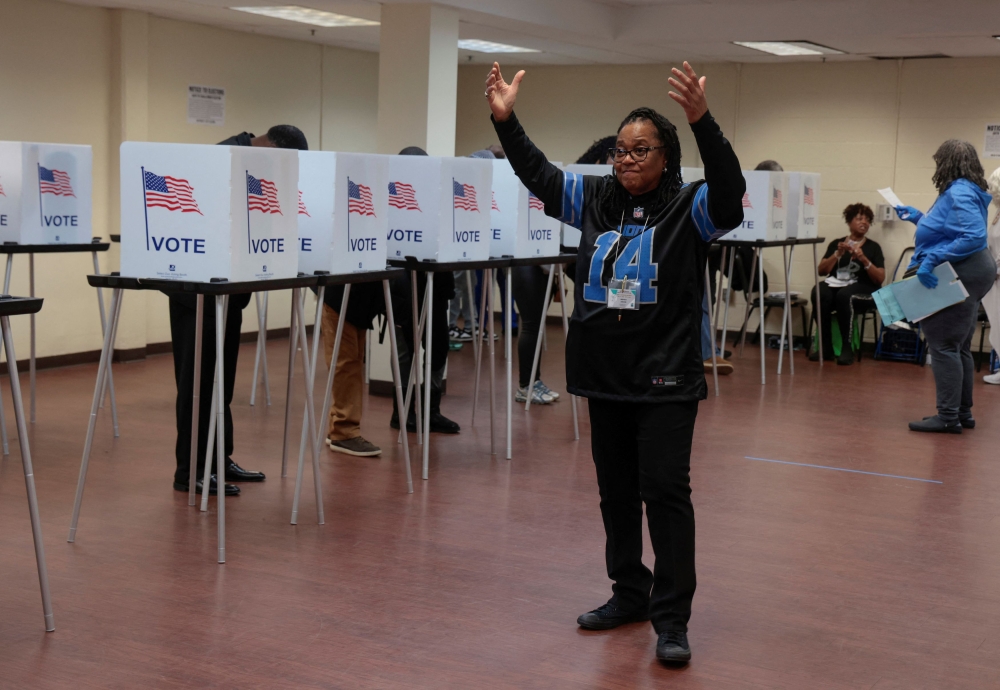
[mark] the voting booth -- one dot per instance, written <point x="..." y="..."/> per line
<point x="519" y="226"/>
<point x="803" y="205"/>
<point x="439" y="208"/>
<point x="570" y="235"/>
<point x="343" y="212"/>
<point x="193" y="212"/>
<point x="45" y="193"/>
<point x="765" y="207"/>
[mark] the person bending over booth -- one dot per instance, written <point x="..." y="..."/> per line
<point x="854" y="265"/>
<point x="182" y="327"/>
<point x="634" y="345"/>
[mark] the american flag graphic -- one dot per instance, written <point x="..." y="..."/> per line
<point x="302" y="206"/>
<point x="495" y="207"/>
<point x="359" y="199"/>
<point x="776" y="198"/>
<point x="262" y="195"/>
<point x="1" y="191"/>
<point x="809" y="198"/>
<point x="402" y="195"/>
<point x="746" y="201"/>
<point x="465" y="196"/>
<point x="54" y="182"/>
<point x="535" y="203"/>
<point x="171" y="193"/>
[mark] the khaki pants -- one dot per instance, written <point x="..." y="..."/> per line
<point x="348" y="385"/>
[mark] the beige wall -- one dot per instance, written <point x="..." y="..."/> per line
<point x="862" y="125"/>
<point x="124" y="75"/>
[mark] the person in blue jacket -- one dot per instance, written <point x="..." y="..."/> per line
<point x="954" y="230"/>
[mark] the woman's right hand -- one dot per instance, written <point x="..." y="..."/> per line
<point x="500" y="94"/>
<point x="909" y="213"/>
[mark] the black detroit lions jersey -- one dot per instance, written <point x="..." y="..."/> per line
<point x="652" y="354"/>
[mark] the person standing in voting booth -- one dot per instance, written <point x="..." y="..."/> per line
<point x="634" y="345"/>
<point x="182" y="327"/>
<point x="954" y="230"/>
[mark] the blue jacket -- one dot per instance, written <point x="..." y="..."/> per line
<point x="954" y="228"/>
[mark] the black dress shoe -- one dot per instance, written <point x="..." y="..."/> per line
<point x="672" y="647"/>
<point x="231" y="490"/>
<point x="411" y="424"/>
<point x="442" y="425"/>
<point x="235" y="473"/>
<point x="610" y="616"/>
<point x="936" y="425"/>
<point x="966" y="422"/>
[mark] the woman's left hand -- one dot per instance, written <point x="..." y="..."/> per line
<point x="926" y="277"/>
<point x="690" y="92"/>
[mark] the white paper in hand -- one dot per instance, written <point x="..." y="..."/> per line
<point x="890" y="196"/>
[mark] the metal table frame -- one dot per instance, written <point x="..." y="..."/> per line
<point x="15" y="306"/>
<point x="12" y="248"/>
<point x="787" y="248"/>
<point x="221" y="291"/>
<point x="422" y="323"/>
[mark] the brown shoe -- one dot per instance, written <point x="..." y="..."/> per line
<point x="724" y="366"/>
<point x="354" y="446"/>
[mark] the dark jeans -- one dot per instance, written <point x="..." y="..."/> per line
<point x="949" y="338"/>
<point x="529" y="294"/>
<point x="182" y="327"/>
<point x="643" y="455"/>
<point x="839" y="300"/>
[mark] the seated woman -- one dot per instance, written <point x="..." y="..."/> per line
<point x="854" y="265"/>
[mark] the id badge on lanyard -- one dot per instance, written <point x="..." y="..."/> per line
<point x="623" y="294"/>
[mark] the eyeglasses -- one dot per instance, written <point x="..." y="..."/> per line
<point x="638" y="154"/>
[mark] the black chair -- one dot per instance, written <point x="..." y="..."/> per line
<point x="796" y="302"/>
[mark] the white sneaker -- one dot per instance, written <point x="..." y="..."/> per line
<point x="546" y="391"/>
<point x="993" y="378"/>
<point x="536" y="397"/>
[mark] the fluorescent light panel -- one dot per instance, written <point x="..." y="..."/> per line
<point x="307" y="15"/>
<point x="474" y="44"/>
<point x="789" y="48"/>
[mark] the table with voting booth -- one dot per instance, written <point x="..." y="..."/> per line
<point x="46" y="208"/>
<point x="218" y="221"/>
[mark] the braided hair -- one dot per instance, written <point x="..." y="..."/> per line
<point x="597" y="154"/>
<point x="957" y="159"/>
<point x="614" y="197"/>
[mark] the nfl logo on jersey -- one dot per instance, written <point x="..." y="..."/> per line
<point x="637" y="212"/>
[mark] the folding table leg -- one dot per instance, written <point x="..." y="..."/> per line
<point x="3" y="417"/>
<point x="565" y="320"/>
<point x="29" y="474"/>
<point x="718" y="304"/>
<point x="102" y="367"/>
<point x="199" y="315"/>
<point x="715" y="366"/>
<point x="427" y="375"/>
<point x="309" y="431"/>
<point x="725" y="318"/>
<point x="478" y="337"/>
<point x="472" y="297"/>
<point x="746" y="312"/>
<point x="414" y="374"/>
<point x="221" y="303"/>
<point x="111" y="381"/>
<point x="256" y="357"/>
<point x="760" y="295"/>
<point x="213" y="411"/>
<point x="293" y="335"/>
<point x="508" y="344"/>
<point x="310" y="415"/>
<point x="397" y="380"/>
<point x="418" y="378"/>
<point x="784" y="310"/>
<point x="819" y="320"/>
<point x="493" y="369"/>
<point x="31" y="357"/>
<point x="538" y="342"/>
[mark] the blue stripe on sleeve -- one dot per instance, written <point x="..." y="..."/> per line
<point x="572" y="205"/>
<point x="699" y="214"/>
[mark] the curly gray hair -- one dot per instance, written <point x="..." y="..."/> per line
<point x="957" y="159"/>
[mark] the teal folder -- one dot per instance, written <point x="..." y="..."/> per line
<point x="908" y="299"/>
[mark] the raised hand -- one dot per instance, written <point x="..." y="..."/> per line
<point x="690" y="92"/>
<point x="500" y="94"/>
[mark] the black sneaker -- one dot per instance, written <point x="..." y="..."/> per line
<point x="466" y="335"/>
<point x="672" y="647"/>
<point x="610" y="616"/>
<point x="454" y="333"/>
<point x="966" y="422"/>
<point x="936" y="425"/>
<point x="442" y="425"/>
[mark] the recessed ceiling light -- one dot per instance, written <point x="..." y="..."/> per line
<point x="478" y="46"/>
<point x="307" y="15"/>
<point x="789" y="48"/>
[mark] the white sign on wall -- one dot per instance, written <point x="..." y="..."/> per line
<point x="991" y="145"/>
<point x="206" y="105"/>
<point x="343" y="211"/>
<point x="45" y="193"/>
<point x="195" y="212"/>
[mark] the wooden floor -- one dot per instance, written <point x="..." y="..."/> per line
<point x="808" y="578"/>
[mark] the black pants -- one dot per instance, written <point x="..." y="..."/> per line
<point x="643" y="455"/>
<point x="529" y="294"/>
<point x="182" y="327"/>
<point x="839" y="300"/>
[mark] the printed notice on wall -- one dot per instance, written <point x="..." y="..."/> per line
<point x="206" y="105"/>
<point x="991" y="146"/>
